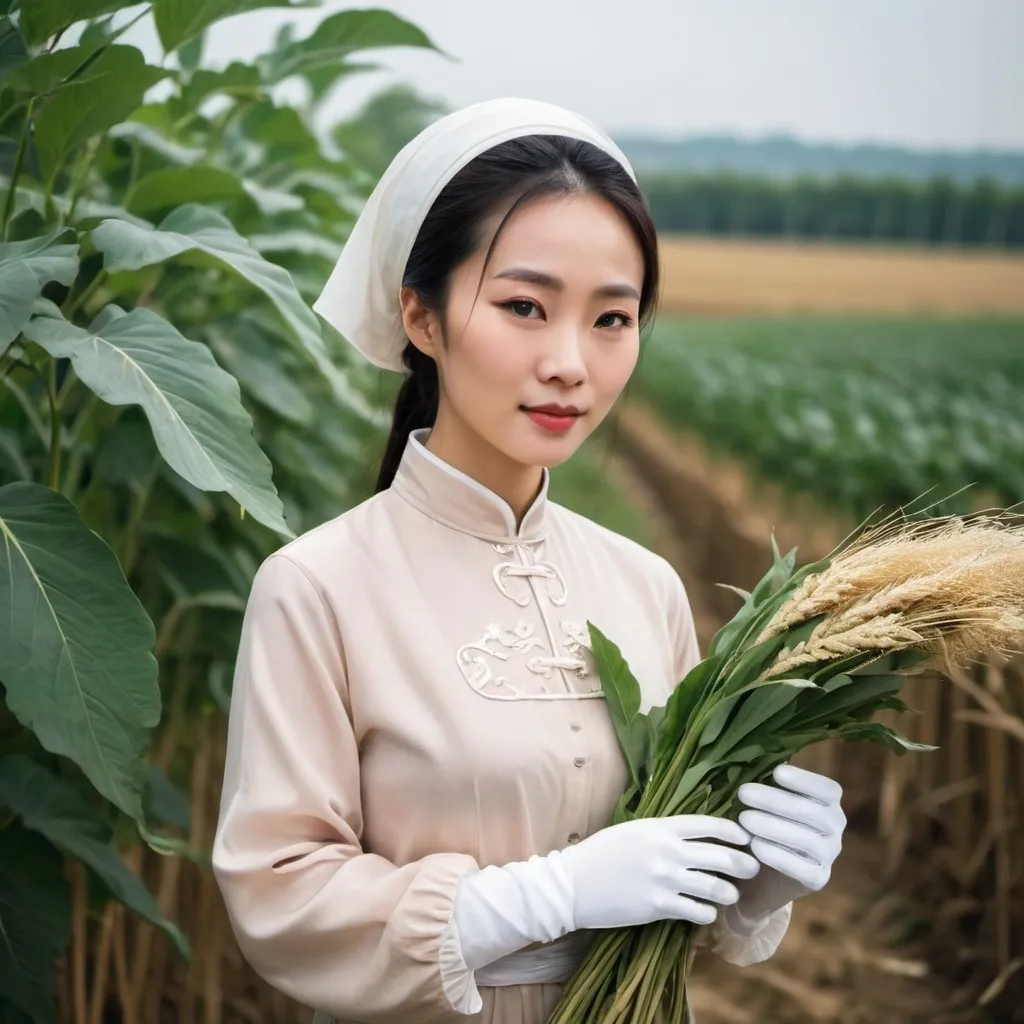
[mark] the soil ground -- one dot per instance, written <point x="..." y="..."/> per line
<point x="837" y="962"/>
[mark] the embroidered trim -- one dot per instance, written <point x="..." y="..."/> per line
<point x="476" y="662"/>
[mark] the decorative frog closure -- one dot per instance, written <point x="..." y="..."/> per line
<point x="555" y="665"/>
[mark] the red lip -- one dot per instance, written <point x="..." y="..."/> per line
<point x="554" y="410"/>
<point x="556" y="419"/>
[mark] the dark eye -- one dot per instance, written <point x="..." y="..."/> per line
<point x="605" y="320"/>
<point x="521" y="307"/>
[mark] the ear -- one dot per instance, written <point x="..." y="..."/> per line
<point x="422" y="325"/>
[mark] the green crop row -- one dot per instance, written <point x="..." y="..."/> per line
<point x="861" y="414"/>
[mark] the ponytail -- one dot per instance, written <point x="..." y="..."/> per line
<point x="415" y="407"/>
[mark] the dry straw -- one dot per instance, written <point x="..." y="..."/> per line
<point x="952" y="584"/>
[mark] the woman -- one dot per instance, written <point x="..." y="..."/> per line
<point x="421" y="769"/>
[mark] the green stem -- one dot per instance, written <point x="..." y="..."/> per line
<point x="19" y="161"/>
<point x="130" y="549"/>
<point x="53" y="473"/>
<point x="638" y="969"/>
<point x="680" y="1011"/>
<point x="596" y="967"/>
<point x="82" y="176"/>
<point x="86" y="294"/>
<point x="652" y="989"/>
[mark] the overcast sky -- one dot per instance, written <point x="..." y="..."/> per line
<point x="921" y="73"/>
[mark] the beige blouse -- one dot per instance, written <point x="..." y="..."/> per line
<point x="414" y="698"/>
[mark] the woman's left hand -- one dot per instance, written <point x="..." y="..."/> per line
<point x="797" y="834"/>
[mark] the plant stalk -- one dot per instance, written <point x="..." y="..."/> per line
<point x="53" y="471"/>
<point x="19" y="161"/>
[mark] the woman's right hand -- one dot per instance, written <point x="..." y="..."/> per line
<point x="655" y="869"/>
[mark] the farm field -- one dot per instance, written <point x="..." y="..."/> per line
<point x="804" y="425"/>
<point x="857" y="413"/>
<point x="728" y="277"/>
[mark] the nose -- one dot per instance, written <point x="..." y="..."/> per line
<point x="563" y="359"/>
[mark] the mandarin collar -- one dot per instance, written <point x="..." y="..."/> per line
<point x="456" y="500"/>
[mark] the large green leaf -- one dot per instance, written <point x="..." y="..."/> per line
<point x="193" y="406"/>
<point x="55" y="809"/>
<point x="25" y="269"/>
<point x="259" y="365"/>
<point x="18" y="293"/>
<point x="204" y="236"/>
<point x="75" y="643"/>
<point x="13" y="51"/>
<point x="180" y="20"/>
<point x="176" y="186"/>
<point x="41" y="19"/>
<point x="115" y="86"/>
<point x="35" y="921"/>
<point x="340" y="35"/>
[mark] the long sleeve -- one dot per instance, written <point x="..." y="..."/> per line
<point x="328" y="924"/>
<point x="730" y="937"/>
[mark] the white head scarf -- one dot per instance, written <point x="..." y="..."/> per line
<point x="361" y="297"/>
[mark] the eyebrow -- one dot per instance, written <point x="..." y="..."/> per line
<point x="556" y="284"/>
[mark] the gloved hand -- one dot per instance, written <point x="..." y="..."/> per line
<point x="651" y="869"/>
<point x="797" y="834"/>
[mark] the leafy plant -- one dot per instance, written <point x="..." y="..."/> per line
<point x="857" y="413"/>
<point x="170" y="410"/>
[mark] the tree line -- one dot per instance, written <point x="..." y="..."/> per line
<point x="938" y="211"/>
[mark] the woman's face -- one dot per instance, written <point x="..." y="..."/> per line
<point x="533" y="362"/>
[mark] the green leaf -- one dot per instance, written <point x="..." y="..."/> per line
<point x="25" y="269"/>
<point x="165" y="802"/>
<point x="10" y="1014"/>
<point x="193" y="406"/>
<point x="149" y="138"/>
<point x="749" y="666"/>
<point x="98" y="32"/>
<point x="240" y="81"/>
<point x="761" y="704"/>
<point x="175" y="186"/>
<point x="684" y="700"/>
<point x="876" y="732"/>
<point x="18" y="293"/>
<point x="844" y="694"/>
<point x="13" y="51"/>
<point x="206" y="237"/>
<point x="35" y="921"/>
<point x="340" y="35"/>
<point x="55" y="809"/>
<point x="75" y="643"/>
<point x="262" y="370"/>
<point x="190" y="54"/>
<point x="113" y="89"/>
<point x="41" y="19"/>
<point x="180" y="20"/>
<point x="623" y="695"/>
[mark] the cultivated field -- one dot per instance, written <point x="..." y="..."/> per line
<point x="715" y="276"/>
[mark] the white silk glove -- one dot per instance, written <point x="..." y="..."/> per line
<point x="797" y="834"/>
<point x="651" y="869"/>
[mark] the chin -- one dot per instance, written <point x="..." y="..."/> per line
<point x="548" y="453"/>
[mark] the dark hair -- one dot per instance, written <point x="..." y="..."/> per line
<point x="521" y="169"/>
